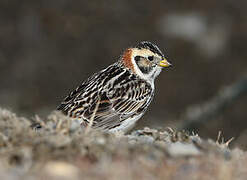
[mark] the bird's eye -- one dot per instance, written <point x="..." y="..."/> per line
<point x="150" y="58"/>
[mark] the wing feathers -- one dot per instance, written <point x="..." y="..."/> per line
<point x="121" y="94"/>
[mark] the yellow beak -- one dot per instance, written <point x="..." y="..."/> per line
<point x="164" y="63"/>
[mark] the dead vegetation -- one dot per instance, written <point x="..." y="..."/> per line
<point x="62" y="150"/>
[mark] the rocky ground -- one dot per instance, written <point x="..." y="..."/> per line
<point x="57" y="148"/>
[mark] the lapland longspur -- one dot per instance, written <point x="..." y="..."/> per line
<point x="119" y="95"/>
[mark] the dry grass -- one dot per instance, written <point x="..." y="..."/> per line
<point x="62" y="150"/>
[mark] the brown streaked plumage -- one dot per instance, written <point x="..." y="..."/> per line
<point x="122" y="92"/>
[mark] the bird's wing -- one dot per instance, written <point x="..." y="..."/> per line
<point x="122" y="102"/>
<point x="109" y="100"/>
<point x="85" y="94"/>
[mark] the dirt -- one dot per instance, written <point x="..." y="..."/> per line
<point x="58" y="148"/>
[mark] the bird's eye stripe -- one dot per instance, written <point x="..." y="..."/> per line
<point x="137" y="58"/>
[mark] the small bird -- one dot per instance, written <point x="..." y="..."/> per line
<point x="116" y="97"/>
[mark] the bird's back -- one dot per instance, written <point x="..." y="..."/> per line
<point x="113" y="95"/>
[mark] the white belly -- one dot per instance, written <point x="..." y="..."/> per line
<point x="127" y="124"/>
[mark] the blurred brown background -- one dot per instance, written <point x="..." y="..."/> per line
<point x="47" y="48"/>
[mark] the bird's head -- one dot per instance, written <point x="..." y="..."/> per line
<point x="146" y="60"/>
